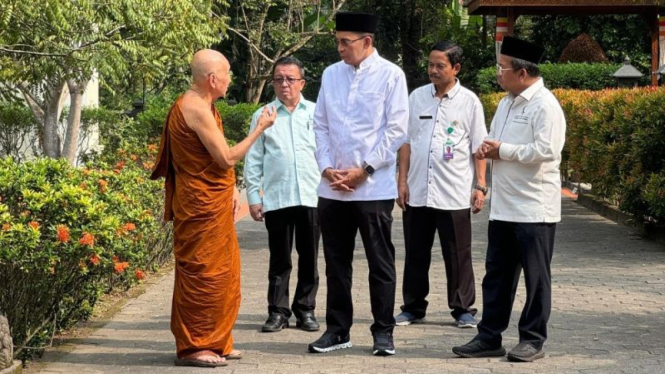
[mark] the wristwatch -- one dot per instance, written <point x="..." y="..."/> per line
<point x="482" y="189"/>
<point x="369" y="170"/>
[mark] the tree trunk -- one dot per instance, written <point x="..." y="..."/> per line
<point x="250" y="83"/>
<point x="251" y="89"/>
<point x="410" y="25"/>
<point x="35" y="104"/>
<point x="73" y="121"/>
<point x="484" y="32"/>
<point x="258" y="90"/>
<point x="51" y="140"/>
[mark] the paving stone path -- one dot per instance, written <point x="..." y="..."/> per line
<point x="608" y="315"/>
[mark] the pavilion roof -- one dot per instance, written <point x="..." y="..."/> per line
<point x="536" y="7"/>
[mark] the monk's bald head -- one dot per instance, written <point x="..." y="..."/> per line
<point x="206" y="62"/>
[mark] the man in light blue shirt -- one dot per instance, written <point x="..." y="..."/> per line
<point x="282" y="164"/>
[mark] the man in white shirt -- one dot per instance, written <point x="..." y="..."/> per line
<point x="525" y="142"/>
<point x="446" y="127"/>
<point x="282" y="164"/>
<point x="360" y="121"/>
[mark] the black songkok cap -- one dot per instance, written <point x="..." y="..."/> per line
<point x="356" y="22"/>
<point x="521" y="49"/>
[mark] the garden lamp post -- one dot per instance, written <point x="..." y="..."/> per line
<point x="627" y="75"/>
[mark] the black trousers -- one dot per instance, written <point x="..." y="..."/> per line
<point x="281" y="225"/>
<point x="340" y="221"/>
<point x="454" y="227"/>
<point x="513" y="247"/>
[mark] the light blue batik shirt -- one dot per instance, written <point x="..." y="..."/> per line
<point x="282" y="162"/>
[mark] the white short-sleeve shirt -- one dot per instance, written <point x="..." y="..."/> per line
<point x="434" y="124"/>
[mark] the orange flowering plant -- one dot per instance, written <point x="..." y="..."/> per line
<point x="69" y="234"/>
<point x="94" y="228"/>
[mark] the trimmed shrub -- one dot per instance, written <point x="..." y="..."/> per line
<point x="615" y="140"/>
<point x="580" y="76"/>
<point x="150" y="122"/>
<point x="583" y="49"/>
<point x="236" y="120"/>
<point x="69" y="234"/>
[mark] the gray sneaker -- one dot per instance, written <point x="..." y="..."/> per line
<point x="466" y="320"/>
<point x="525" y="352"/>
<point x="406" y="318"/>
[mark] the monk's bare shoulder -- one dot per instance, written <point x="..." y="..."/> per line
<point x="196" y="111"/>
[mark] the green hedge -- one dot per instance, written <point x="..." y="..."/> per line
<point x="580" y="76"/>
<point x="616" y="141"/>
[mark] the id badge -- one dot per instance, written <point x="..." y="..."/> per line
<point x="448" y="150"/>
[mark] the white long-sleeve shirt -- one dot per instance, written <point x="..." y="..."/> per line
<point x="526" y="183"/>
<point x="361" y="116"/>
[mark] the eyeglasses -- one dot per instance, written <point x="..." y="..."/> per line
<point x="288" y="80"/>
<point x="436" y="66"/>
<point x="348" y="42"/>
<point x="500" y="70"/>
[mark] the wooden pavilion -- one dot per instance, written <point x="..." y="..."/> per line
<point x="507" y="12"/>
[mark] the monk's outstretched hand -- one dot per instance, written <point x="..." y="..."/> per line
<point x="267" y="117"/>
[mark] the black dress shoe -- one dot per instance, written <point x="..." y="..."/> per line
<point x="478" y="348"/>
<point x="525" y="352"/>
<point x="276" y="322"/>
<point x="307" y="322"/>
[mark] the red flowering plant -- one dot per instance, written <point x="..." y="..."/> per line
<point x="69" y="234"/>
<point x="60" y="229"/>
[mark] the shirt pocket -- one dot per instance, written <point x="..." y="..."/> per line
<point x="520" y="129"/>
<point x="369" y="108"/>
<point x="310" y="136"/>
<point x="421" y="134"/>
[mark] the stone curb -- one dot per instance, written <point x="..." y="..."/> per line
<point x="613" y="213"/>
<point x="16" y="368"/>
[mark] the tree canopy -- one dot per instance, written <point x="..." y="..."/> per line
<point x="47" y="45"/>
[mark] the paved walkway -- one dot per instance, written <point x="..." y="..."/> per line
<point x="608" y="317"/>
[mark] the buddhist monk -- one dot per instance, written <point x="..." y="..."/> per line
<point x="201" y="200"/>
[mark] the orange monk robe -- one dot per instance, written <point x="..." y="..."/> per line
<point x="199" y="200"/>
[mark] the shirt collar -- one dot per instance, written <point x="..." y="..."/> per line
<point x="368" y="61"/>
<point x="450" y="94"/>
<point x="531" y="91"/>
<point x="278" y="104"/>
